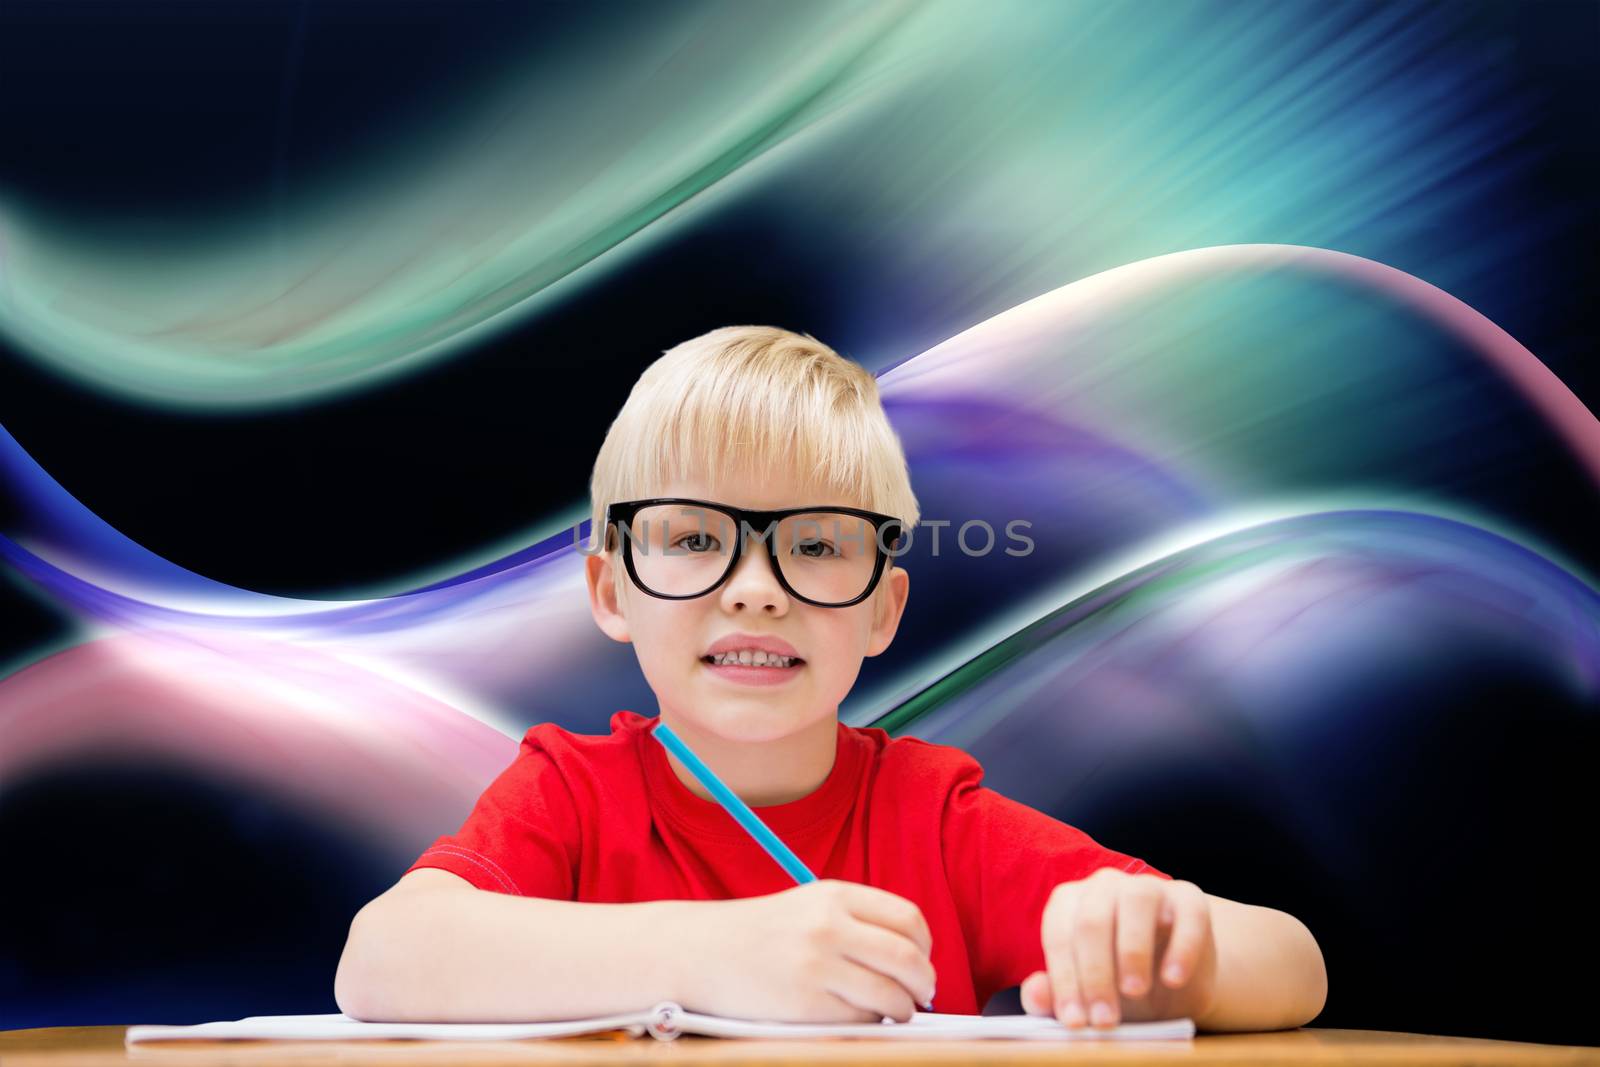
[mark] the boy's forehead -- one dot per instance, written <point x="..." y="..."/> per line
<point x="770" y="490"/>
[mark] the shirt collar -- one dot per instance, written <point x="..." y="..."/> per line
<point x="702" y="817"/>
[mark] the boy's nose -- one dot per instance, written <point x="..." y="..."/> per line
<point x="753" y="581"/>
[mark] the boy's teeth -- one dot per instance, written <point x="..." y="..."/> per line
<point x="752" y="659"/>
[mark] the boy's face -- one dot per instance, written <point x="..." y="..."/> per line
<point x="671" y="637"/>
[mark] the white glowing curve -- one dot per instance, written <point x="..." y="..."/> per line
<point x="1006" y="336"/>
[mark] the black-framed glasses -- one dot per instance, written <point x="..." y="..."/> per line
<point x="828" y="555"/>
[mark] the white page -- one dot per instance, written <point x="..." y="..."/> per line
<point x="339" y="1026"/>
<point x="935" y="1026"/>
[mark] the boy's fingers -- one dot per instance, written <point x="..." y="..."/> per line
<point x="867" y="989"/>
<point x="874" y="905"/>
<point x="1036" y="994"/>
<point x="1191" y="928"/>
<point x="1137" y="914"/>
<point x="843" y="1011"/>
<point x="893" y="955"/>
<point x="1061" y="965"/>
<point x="1093" y="943"/>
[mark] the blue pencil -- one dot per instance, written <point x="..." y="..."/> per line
<point x="734" y="806"/>
<point x="738" y="809"/>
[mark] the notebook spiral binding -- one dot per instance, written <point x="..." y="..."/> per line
<point x="662" y="1024"/>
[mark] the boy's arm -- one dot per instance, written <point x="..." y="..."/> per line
<point x="1270" y="971"/>
<point x="434" y="948"/>
<point x="1243" y="967"/>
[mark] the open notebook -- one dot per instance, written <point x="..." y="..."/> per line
<point x="664" y="1021"/>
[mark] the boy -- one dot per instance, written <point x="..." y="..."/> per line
<point x="596" y="874"/>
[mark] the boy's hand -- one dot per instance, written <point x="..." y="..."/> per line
<point x="825" y="951"/>
<point x="1106" y="933"/>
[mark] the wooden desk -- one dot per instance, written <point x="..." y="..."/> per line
<point x="98" y="1045"/>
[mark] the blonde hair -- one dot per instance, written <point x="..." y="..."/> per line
<point x="753" y="400"/>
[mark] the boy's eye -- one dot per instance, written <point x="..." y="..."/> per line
<point x="827" y="549"/>
<point x="695" y="539"/>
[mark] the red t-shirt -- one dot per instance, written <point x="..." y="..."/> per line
<point x="605" y="819"/>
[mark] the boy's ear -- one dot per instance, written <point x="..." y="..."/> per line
<point x="597" y="570"/>
<point x="891" y="604"/>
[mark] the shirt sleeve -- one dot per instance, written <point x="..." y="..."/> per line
<point x="522" y="836"/>
<point x="1003" y="860"/>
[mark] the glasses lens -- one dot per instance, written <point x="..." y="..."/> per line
<point x="827" y="556"/>
<point x="680" y="549"/>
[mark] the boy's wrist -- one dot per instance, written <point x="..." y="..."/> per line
<point x="682" y="946"/>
